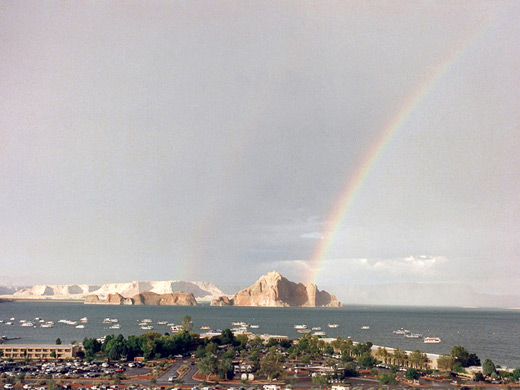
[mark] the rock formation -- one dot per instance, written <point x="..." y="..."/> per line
<point x="146" y="298"/>
<point x="274" y="290"/>
<point x="202" y="291"/>
<point x="222" y="301"/>
<point x="92" y="299"/>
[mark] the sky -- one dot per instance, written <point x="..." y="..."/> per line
<point x="343" y="143"/>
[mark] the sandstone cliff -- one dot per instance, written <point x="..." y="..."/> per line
<point x="92" y="299"/>
<point x="274" y="290"/>
<point x="202" y="291"/>
<point x="222" y="301"/>
<point x="146" y="298"/>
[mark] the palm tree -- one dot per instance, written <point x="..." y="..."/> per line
<point x="418" y="359"/>
<point x="400" y="356"/>
<point x="379" y="353"/>
<point x="385" y="354"/>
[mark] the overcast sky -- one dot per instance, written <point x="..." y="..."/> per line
<point x="211" y="141"/>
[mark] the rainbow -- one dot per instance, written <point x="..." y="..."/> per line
<point x="367" y="164"/>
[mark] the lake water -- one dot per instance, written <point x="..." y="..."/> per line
<point x="493" y="334"/>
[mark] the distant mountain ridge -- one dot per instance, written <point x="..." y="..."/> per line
<point x="202" y="291"/>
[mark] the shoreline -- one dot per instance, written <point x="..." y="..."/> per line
<point x="11" y="299"/>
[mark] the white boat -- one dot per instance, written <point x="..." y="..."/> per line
<point x="300" y="326"/>
<point x="205" y="328"/>
<point x="333" y="325"/>
<point x="27" y="324"/>
<point x="319" y="333"/>
<point x="81" y="326"/>
<point x="413" y="336"/>
<point x="304" y="331"/>
<point x="240" y="323"/>
<point x="147" y="320"/>
<point x="401" y="331"/>
<point x="115" y="326"/>
<point x="316" y="328"/>
<point x="254" y="326"/>
<point x="83" y="320"/>
<point x="176" y="328"/>
<point x="162" y="322"/>
<point x="432" y="340"/>
<point x="147" y="327"/>
<point x="365" y="327"/>
<point x="49" y="324"/>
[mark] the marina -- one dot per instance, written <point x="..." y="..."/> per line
<point x="486" y="332"/>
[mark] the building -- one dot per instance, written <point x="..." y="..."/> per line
<point x="39" y="351"/>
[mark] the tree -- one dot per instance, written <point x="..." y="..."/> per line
<point x="227" y="337"/>
<point x="417" y="358"/>
<point x="366" y="360"/>
<point x="399" y="356"/>
<point x="21" y="377"/>
<point x="445" y="362"/>
<point x="53" y="354"/>
<point x="473" y="360"/>
<point x="91" y="347"/>
<point x="319" y="380"/>
<point x="382" y="354"/>
<point x="458" y="367"/>
<point x="208" y="365"/>
<point x="58" y="341"/>
<point x="226" y="369"/>
<point x="271" y="364"/>
<point x="186" y="323"/>
<point x="412" y="374"/>
<point x="51" y="385"/>
<point x="488" y="367"/>
<point x="387" y="379"/>
<point x="211" y="348"/>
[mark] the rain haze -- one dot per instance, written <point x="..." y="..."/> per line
<point x="343" y="143"/>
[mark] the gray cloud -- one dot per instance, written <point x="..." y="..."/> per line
<point x="211" y="141"/>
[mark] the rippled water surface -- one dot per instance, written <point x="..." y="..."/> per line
<point x="493" y="334"/>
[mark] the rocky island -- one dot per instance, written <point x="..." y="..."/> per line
<point x="179" y="298"/>
<point x="273" y="290"/>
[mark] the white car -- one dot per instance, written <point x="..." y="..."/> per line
<point x="8" y="386"/>
<point x="27" y="386"/>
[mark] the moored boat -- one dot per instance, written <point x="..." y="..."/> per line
<point x="432" y="340"/>
<point x="333" y="325"/>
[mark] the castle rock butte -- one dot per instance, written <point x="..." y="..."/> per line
<point x="273" y="290"/>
